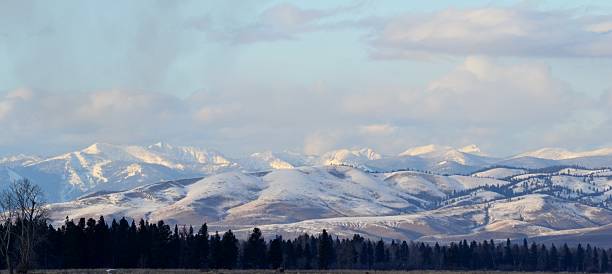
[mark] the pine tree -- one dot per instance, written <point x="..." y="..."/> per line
<point x="553" y="259"/>
<point x="379" y="254"/>
<point x="325" y="250"/>
<point x="216" y="255"/>
<point x="307" y="256"/>
<point x="289" y="260"/>
<point x="566" y="260"/>
<point x="229" y="250"/>
<point x="604" y="261"/>
<point x="202" y="247"/>
<point x="579" y="258"/>
<point x="254" y="255"/>
<point x="276" y="252"/>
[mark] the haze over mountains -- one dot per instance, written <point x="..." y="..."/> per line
<point x="430" y="192"/>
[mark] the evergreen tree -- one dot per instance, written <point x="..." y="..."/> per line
<point x="216" y="255"/>
<point x="276" y="252"/>
<point x="91" y="244"/>
<point x="202" y="247"/>
<point x="604" y="262"/>
<point x="325" y="250"/>
<point x="379" y="253"/>
<point x="229" y="250"/>
<point x="254" y="255"/>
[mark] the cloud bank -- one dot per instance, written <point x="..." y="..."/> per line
<point x="494" y="31"/>
<point x="300" y="77"/>
<point x="480" y="101"/>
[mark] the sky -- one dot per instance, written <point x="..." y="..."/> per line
<point x="307" y="76"/>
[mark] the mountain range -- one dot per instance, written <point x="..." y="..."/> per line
<point x="427" y="193"/>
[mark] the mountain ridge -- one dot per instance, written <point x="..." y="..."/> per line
<point x="103" y="166"/>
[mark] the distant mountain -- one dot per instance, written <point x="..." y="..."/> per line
<point x="349" y="157"/>
<point x="394" y="205"/>
<point x="278" y="196"/>
<point x="426" y="193"/>
<point x="108" y="167"/>
<point x="564" y="154"/>
<point x="112" y="167"/>
<point x="435" y="158"/>
<point x="275" y="160"/>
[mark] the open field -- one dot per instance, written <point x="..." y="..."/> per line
<point x="184" y="271"/>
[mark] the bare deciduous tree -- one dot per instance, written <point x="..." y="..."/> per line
<point x="7" y="206"/>
<point x="24" y="212"/>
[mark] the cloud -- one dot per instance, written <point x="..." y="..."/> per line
<point x="210" y="114"/>
<point x="319" y="142"/>
<point x="481" y="101"/>
<point x="38" y="118"/>
<point x="282" y="21"/>
<point x="513" y="31"/>
<point x="378" y="129"/>
<point x="480" y="91"/>
<point x="502" y="106"/>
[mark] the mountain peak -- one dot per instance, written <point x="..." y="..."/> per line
<point x="97" y="148"/>
<point x="440" y="149"/>
<point x="426" y="149"/>
<point x="564" y="154"/>
<point x="548" y="153"/>
<point x="473" y="149"/>
<point x="161" y="145"/>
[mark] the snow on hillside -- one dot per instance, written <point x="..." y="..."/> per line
<point x="345" y="200"/>
<point x="499" y="173"/>
<point x="112" y="167"/>
<point x="349" y="157"/>
<point x="494" y="220"/>
<point x="550" y="212"/>
<point x="19" y="159"/>
<point x="411" y="226"/>
<point x="312" y="192"/>
<point x="563" y="154"/>
<point x="275" y="160"/>
<point x="429" y="193"/>
<point x="469" y="155"/>
<point x="116" y="167"/>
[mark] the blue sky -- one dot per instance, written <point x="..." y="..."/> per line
<point x="246" y="76"/>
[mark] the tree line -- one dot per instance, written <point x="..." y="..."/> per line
<point x="124" y="244"/>
<point x="28" y="241"/>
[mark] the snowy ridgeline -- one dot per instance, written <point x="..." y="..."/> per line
<point x="106" y="167"/>
<point x="430" y="193"/>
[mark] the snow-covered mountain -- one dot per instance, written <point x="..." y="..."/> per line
<point x="113" y="167"/>
<point x="394" y="205"/>
<point x="275" y="160"/>
<point x="429" y="193"/>
<point x="435" y="158"/>
<point x="564" y="154"/>
<point x="107" y="167"/>
<point x="349" y="157"/>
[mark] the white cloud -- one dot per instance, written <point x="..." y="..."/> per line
<point x="477" y="91"/>
<point x="282" y="21"/>
<point x="492" y="31"/>
<point x="378" y="129"/>
<point x="319" y="142"/>
<point x="482" y="101"/>
<point x="209" y="114"/>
